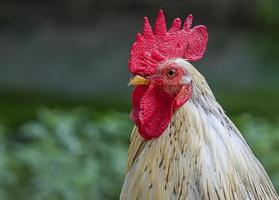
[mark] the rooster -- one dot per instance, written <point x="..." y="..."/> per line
<point x="183" y="145"/>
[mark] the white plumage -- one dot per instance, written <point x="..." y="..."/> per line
<point x="201" y="155"/>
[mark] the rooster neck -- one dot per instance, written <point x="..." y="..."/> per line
<point x="201" y="155"/>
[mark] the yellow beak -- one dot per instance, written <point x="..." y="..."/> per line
<point x="138" y="80"/>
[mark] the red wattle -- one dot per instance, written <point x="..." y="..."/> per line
<point x="151" y="110"/>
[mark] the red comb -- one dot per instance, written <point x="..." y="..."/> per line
<point x="153" y="47"/>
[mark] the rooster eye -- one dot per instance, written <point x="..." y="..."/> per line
<point x="171" y="73"/>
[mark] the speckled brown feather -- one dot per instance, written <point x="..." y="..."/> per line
<point x="201" y="155"/>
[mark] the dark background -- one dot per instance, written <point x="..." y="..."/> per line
<point x="64" y="100"/>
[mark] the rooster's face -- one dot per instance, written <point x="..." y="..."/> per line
<point x="161" y="79"/>
<point x="157" y="96"/>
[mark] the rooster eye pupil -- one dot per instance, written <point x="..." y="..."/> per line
<point x="171" y="73"/>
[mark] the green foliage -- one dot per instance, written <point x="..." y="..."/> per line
<point x="65" y="155"/>
<point x="267" y="10"/>
<point x="263" y="138"/>
<point x="78" y="154"/>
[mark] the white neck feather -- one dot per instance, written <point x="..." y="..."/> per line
<point x="201" y="155"/>
<point x="224" y="166"/>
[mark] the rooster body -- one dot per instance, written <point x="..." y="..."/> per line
<point x="201" y="155"/>
<point x="183" y="145"/>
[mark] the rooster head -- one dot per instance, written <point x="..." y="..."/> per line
<point x="161" y="83"/>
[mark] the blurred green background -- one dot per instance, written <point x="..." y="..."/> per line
<point x="64" y="120"/>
